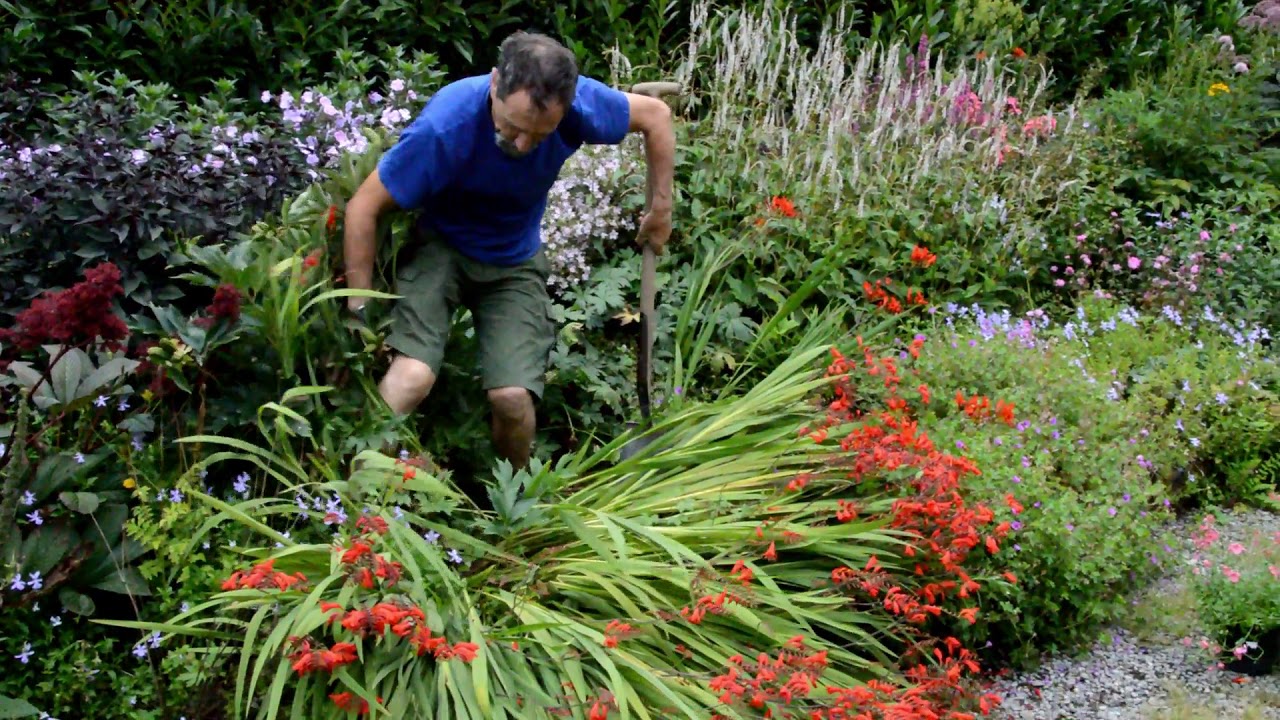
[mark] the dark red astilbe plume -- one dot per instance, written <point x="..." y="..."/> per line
<point x="77" y="316"/>
<point x="226" y="303"/>
<point x="225" y="306"/>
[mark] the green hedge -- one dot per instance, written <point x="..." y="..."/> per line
<point x="194" y="44"/>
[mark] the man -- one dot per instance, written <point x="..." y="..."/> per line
<point x="478" y="162"/>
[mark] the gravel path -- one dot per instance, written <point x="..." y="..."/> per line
<point x="1149" y="674"/>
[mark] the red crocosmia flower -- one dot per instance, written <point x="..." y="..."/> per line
<point x="357" y="550"/>
<point x="331" y="219"/>
<point x="465" y="651"/>
<point x="921" y="256"/>
<point x="372" y="523"/>
<point x="424" y="642"/>
<point x="783" y="206"/>
<point x="305" y="660"/>
<point x="351" y="702"/>
<point x="617" y="631"/>
<point x="261" y="577"/>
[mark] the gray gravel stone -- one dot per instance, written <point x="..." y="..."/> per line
<point x="1128" y="678"/>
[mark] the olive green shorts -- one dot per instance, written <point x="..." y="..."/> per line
<point x="510" y="306"/>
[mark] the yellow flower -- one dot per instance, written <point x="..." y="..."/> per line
<point x="130" y="484"/>
<point x="147" y="395"/>
<point x="1216" y="88"/>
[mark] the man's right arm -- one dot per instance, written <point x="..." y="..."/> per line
<point x="359" y="240"/>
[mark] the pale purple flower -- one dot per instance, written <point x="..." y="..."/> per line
<point x="241" y="484"/>
<point x="25" y="656"/>
<point x="28" y="498"/>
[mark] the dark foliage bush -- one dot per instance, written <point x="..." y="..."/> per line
<point x="117" y="175"/>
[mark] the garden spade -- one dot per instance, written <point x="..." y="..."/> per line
<point x="644" y="356"/>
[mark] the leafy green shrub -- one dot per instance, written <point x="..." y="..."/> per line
<point x="64" y="666"/>
<point x="1122" y="40"/>
<point x="1198" y="126"/>
<point x="1046" y="440"/>
<point x="1210" y="379"/>
<point x="111" y="181"/>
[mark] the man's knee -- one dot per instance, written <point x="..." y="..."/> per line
<point x="406" y="383"/>
<point x="511" y="404"/>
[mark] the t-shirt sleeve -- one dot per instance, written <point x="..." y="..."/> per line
<point x="602" y="113"/>
<point x="418" y="165"/>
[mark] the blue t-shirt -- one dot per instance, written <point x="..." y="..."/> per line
<point x="488" y="205"/>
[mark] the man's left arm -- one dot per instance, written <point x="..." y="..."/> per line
<point x="652" y="117"/>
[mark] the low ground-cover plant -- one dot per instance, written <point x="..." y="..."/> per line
<point x="1237" y="592"/>
<point x="1092" y="428"/>
<point x="1209" y="257"/>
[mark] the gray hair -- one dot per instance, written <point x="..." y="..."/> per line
<point x="539" y="65"/>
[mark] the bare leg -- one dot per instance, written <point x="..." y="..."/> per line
<point x="406" y="384"/>
<point x="514" y="422"/>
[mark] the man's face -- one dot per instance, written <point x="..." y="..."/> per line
<point x="519" y="124"/>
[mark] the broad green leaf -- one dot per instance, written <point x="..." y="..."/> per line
<point x="84" y="503"/>
<point x="16" y="708"/>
